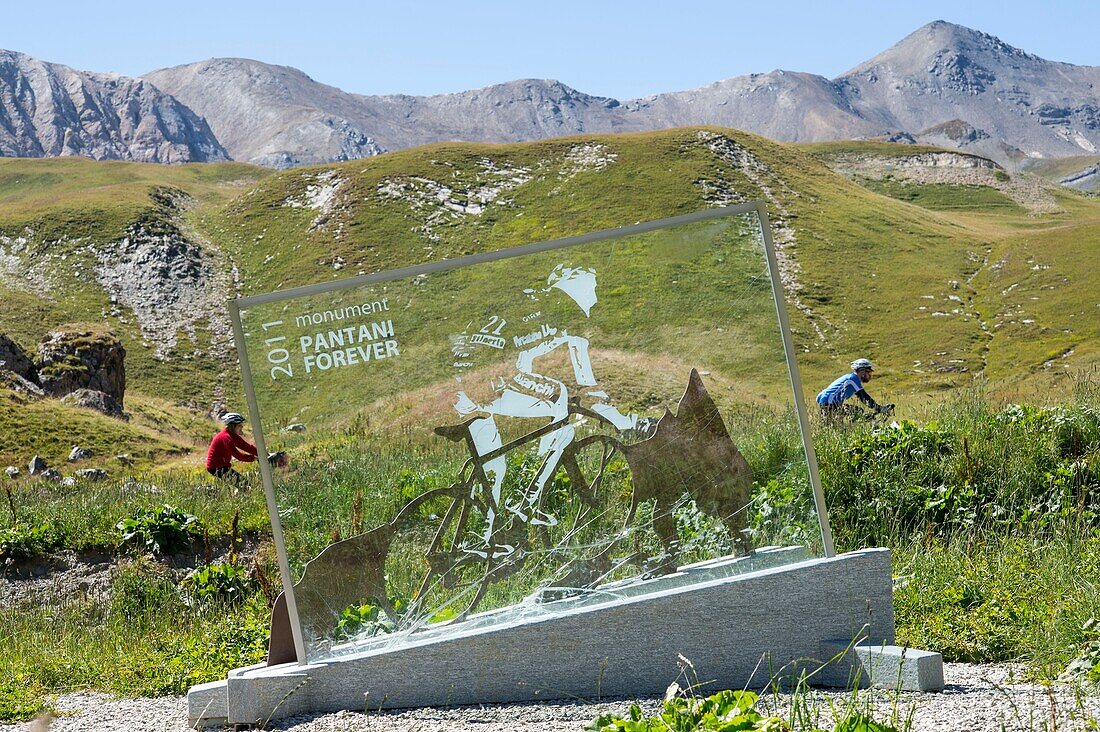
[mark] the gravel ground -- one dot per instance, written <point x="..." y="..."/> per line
<point x="977" y="698"/>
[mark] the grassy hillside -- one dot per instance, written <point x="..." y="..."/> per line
<point x="918" y="276"/>
<point x="56" y="213"/>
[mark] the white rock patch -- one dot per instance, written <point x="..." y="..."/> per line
<point x="439" y="202"/>
<point x="321" y="195"/>
<point x="170" y="283"/>
<point x="586" y="158"/>
<point x="19" y="273"/>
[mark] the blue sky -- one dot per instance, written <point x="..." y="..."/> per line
<point x="616" y="49"/>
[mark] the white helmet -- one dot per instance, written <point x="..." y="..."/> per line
<point x="862" y="363"/>
<point x="232" y="418"/>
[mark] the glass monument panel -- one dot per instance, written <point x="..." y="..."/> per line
<point x="514" y="435"/>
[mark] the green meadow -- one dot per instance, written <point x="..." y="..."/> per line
<point x="981" y="318"/>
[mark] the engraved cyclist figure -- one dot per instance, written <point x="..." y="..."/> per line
<point x="530" y="394"/>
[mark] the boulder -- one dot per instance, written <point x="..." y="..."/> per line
<point x="68" y="481"/>
<point x="92" y="474"/>
<point x="36" y="465"/>
<point x="100" y="401"/>
<point x="50" y="474"/>
<point x="14" y="359"/>
<point x="296" y="427"/>
<point x="12" y="471"/>
<point x="81" y="357"/>
<point x="79" y="453"/>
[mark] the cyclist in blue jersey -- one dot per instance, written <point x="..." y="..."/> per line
<point x="832" y="397"/>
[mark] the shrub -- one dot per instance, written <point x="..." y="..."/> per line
<point x="165" y="530"/>
<point x="901" y="442"/>
<point x="780" y="511"/>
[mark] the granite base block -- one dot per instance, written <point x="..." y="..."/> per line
<point x="737" y="631"/>
<point x="881" y="666"/>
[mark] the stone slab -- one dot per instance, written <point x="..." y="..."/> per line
<point x="737" y="631"/>
<point x="208" y="704"/>
<point x="882" y="666"/>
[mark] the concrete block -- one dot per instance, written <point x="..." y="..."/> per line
<point x="736" y="629"/>
<point x="882" y="666"/>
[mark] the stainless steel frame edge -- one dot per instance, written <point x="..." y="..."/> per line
<point x="796" y="379"/>
<point x="268" y="483"/>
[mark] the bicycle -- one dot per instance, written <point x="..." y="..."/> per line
<point x="850" y="414"/>
<point x="450" y="551"/>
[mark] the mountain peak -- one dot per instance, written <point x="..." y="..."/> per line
<point x="941" y="39"/>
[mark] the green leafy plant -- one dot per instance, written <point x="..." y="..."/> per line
<point x="724" y="711"/>
<point x="1086" y="667"/>
<point x="224" y="582"/>
<point x="902" y="441"/>
<point x="24" y="542"/>
<point x="366" y="620"/>
<point x="862" y="722"/>
<point x="779" y="511"/>
<point x="21" y="698"/>
<point x="164" y="530"/>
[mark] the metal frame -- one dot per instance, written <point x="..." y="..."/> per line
<point x="235" y="307"/>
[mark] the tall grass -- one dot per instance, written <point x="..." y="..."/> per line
<point x="141" y="640"/>
<point x="992" y="597"/>
<point x="971" y="466"/>
<point x="993" y="512"/>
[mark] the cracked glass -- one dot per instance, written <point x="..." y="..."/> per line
<point x="516" y="435"/>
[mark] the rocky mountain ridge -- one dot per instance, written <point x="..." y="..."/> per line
<point x="49" y="110"/>
<point x="943" y="85"/>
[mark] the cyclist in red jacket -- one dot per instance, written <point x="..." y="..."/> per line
<point x="225" y="446"/>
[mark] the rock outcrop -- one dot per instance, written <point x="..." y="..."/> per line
<point x="79" y="453"/>
<point x="163" y="272"/>
<point x="82" y="357"/>
<point x="17" y="371"/>
<point x="49" y="110"/>
<point x="91" y="399"/>
<point x="13" y="358"/>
